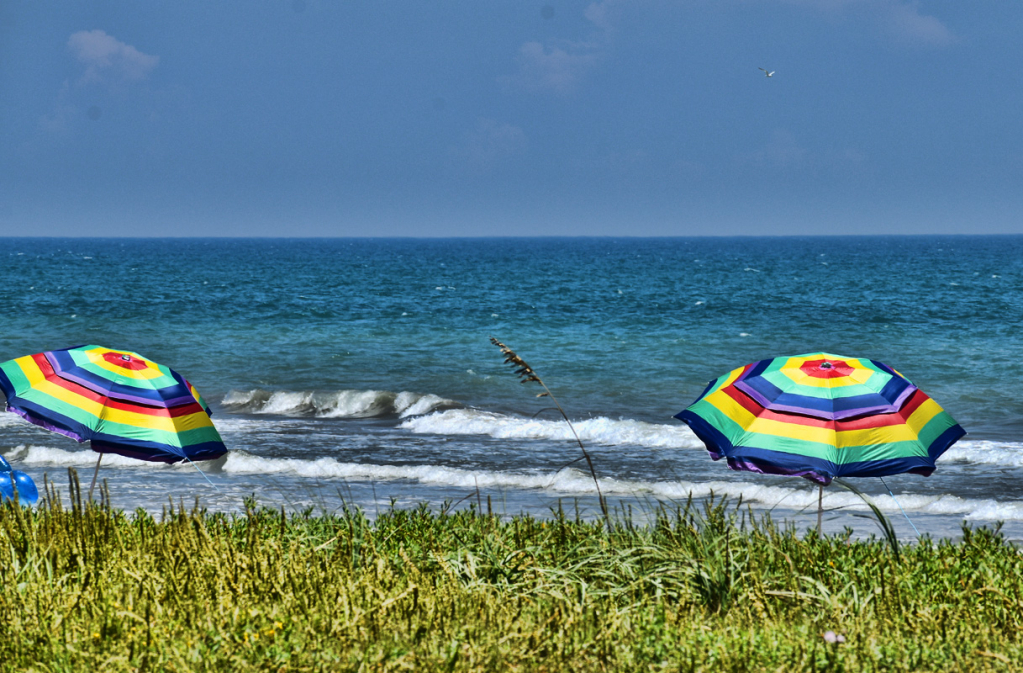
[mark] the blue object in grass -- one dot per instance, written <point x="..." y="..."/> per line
<point x="11" y="479"/>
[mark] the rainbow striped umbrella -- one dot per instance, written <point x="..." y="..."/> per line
<point x="119" y="401"/>
<point x="821" y="416"/>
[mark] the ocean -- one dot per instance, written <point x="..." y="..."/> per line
<point x="359" y="372"/>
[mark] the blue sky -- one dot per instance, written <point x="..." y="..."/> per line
<point x="481" y="118"/>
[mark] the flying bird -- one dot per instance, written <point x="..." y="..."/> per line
<point x="766" y="73"/>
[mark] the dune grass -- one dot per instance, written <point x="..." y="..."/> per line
<point x="87" y="587"/>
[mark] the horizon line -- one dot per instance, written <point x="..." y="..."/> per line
<point x="506" y="237"/>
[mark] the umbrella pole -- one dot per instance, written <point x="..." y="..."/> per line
<point x="820" y="508"/>
<point x="94" y="473"/>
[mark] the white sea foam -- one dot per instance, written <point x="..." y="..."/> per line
<point x="51" y="456"/>
<point x="567" y="482"/>
<point x="984" y="452"/>
<point x="10" y="420"/>
<point x="600" y="430"/>
<point x="612" y="432"/>
<point x="573" y="482"/>
<point x="228" y="423"/>
<point x="337" y="404"/>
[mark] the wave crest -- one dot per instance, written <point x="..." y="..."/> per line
<point x="605" y="431"/>
<point x="568" y="482"/>
<point x="10" y="420"/>
<point x="573" y="482"/>
<point x="48" y="455"/>
<point x="985" y="452"/>
<point x="336" y="404"/>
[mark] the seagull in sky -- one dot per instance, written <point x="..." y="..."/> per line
<point x="766" y="73"/>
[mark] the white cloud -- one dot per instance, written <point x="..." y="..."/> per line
<point x="490" y="143"/>
<point x="597" y="14"/>
<point x="559" y="65"/>
<point x="907" y="24"/>
<point x="108" y="59"/>
<point x="901" y="19"/>
<point x="550" y="68"/>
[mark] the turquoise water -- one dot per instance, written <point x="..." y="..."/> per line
<point x="360" y="371"/>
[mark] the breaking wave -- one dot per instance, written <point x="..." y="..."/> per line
<point x="573" y="482"/>
<point x="567" y="482"/>
<point x="337" y="404"/>
<point x="984" y="452"/>
<point x="600" y="430"/>
<point x="611" y="432"/>
<point x="48" y="455"/>
<point x="10" y="420"/>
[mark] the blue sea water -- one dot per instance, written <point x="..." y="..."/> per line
<point x="360" y="372"/>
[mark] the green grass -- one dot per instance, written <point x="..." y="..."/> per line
<point x="715" y="589"/>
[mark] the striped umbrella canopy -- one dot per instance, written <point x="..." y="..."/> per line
<point x="117" y="400"/>
<point x="821" y="416"/>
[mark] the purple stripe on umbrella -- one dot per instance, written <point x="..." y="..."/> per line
<point x="125" y="397"/>
<point x="751" y="392"/>
<point x="888" y="408"/>
<point x="45" y="424"/>
<point x="749" y="466"/>
<point x="162" y="456"/>
<point x="901" y="399"/>
<point x="834" y="415"/>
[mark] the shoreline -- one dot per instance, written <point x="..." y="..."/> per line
<point x="135" y="485"/>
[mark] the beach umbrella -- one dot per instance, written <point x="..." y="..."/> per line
<point x="119" y="401"/>
<point x="821" y="416"/>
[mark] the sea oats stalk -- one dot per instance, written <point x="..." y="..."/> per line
<point x="527" y="374"/>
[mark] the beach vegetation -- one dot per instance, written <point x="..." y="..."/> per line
<point x="700" y="586"/>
